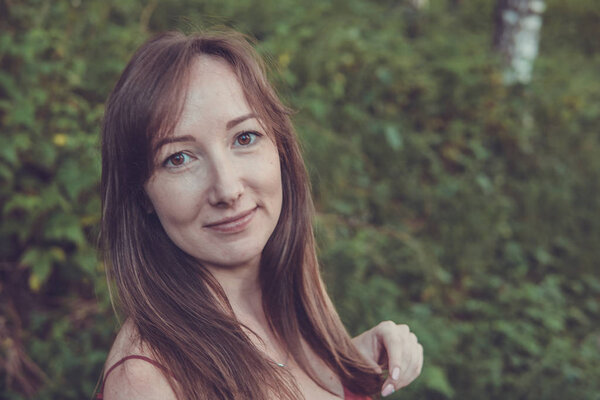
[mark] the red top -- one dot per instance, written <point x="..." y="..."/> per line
<point x="351" y="396"/>
<point x="347" y="394"/>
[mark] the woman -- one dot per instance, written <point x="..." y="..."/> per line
<point x="207" y="235"/>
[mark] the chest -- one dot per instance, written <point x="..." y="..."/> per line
<point x="331" y="388"/>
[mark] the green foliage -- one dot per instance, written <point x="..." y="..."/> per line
<point x="467" y="209"/>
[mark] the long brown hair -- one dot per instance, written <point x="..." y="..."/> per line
<point x="180" y="311"/>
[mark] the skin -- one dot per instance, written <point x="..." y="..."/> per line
<point x="217" y="182"/>
<point x="396" y="348"/>
<point x="219" y="165"/>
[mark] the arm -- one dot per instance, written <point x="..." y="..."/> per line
<point x="395" y="347"/>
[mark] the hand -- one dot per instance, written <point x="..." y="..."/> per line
<point x="396" y="347"/>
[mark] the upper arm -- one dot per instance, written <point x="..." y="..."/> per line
<point x="137" y="380"/>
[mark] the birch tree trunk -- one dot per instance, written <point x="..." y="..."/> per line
<point x="516" y="37"/>
<point x="419" y="4"/>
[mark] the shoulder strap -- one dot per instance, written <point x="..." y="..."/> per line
<point x="121" y="361"/>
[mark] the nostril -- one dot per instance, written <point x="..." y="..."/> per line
<point x="227" y="194"/>
<point x="227" y="186"/>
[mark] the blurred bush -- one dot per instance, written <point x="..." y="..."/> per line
<point x="467" y="209"/>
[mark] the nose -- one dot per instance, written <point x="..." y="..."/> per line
<point x="227" y="186"/>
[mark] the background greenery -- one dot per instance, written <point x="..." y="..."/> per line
<point x="467" y="209"/>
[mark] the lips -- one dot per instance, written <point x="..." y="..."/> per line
<point x="234" y="224"/>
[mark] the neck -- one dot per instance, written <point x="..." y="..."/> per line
<point x="242" y="288"/>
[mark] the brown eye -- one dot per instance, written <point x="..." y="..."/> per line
<point x="245" y="138"/>
<point x="176" y="160"/>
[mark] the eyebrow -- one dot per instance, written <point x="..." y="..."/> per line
<point x="190" y="138"/>
<point x="239" y="120"/>
<point x="173" y="139"/>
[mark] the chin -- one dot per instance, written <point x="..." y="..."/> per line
<point x="236" y="259"/>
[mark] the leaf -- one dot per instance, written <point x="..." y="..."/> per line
<point x="29" y="203"/>
<point x="435" y="378"/>
<point x="6" y="175"/>
<point x="393" y="136"/>
<point x="62" y="226"/>
<point x="40" y="264"/>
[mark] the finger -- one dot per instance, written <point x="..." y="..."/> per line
<point x="411" y="360"/>
<point x="413" y="369"/>
<point x="368" y="345"/>
<point x="421" y="360"/>
<point x="388" y="389"/>
<point x="404" y="357"/>
<point x="398" y="346"/>
<point x="391" y="385"/>
<point x="374" y="365"/>
<point x="398" y="379"/>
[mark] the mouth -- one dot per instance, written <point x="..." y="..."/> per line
<point x="236" y="223"/>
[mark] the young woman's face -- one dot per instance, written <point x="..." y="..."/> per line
<point x="216" y="187"/>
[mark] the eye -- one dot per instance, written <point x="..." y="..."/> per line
<point x="176" y="160"/>
<point x="246" y="138"/>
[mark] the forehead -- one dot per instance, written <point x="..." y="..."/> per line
<point x="213" y="91"/>
<point x="211" y="97"/>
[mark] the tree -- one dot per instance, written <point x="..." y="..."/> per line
<point x="419" y="4"/>
<point x="516" y="37"/>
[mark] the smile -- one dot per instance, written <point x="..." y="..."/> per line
<point x="234" y="224"/>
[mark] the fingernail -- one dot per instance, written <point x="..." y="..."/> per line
<point x="389" y="389"/>
<point x="396" y="373"/>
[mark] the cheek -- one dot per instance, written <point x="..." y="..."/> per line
<point x="274" y="182"/>
<point x="172" y="201"/>
<point x="278" y="184"/>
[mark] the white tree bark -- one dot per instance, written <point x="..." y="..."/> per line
<point x="419" y="4"/>
<point x="517" y="35"/>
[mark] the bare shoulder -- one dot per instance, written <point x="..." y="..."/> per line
<point x="134" y="378"/>
<point x="126" y="343"/>
<point x="137" y="379"/>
